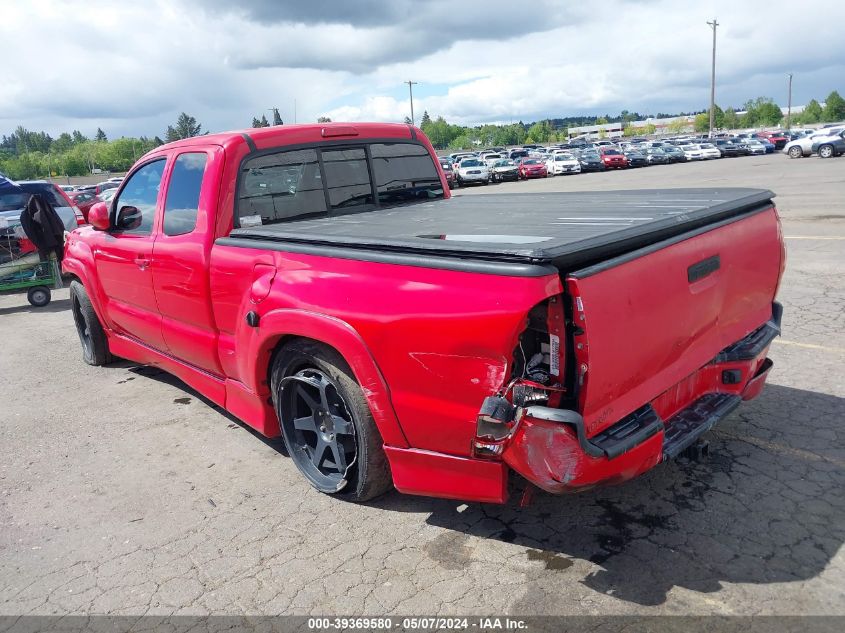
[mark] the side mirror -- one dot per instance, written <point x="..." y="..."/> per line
<point x="98" y="216"/>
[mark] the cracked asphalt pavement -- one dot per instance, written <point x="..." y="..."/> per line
<point x="124" y="492"/>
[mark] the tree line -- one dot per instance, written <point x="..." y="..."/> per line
<point x="26" y="154"/>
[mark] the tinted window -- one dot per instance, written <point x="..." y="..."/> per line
<point x="280" y="186"/>
<point x="347" y="178"/>
<point x="404" y="172"/>
<point x="136" y="205"/>
<point x="183" y="193"/>
<point x="291" y="184"/>
<point x="49" y="192"/>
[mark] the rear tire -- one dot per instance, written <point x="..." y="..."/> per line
<point x="826" y="151"/>
<point x="95" y="345"/>
<point x="795" y="152"/>
<point x="38" y="296"/>
<point x="323" y="387"/>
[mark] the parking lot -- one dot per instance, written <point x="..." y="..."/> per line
<point x="124" y="492"/>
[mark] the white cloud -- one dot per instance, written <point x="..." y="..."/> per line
<point x="130" y="68"/>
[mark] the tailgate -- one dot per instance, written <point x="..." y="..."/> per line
<point x="646" y="320"/>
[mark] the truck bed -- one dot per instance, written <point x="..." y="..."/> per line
<point x="568" y="230"/>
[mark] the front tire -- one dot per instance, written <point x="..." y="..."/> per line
<point x="326" y="422"/>
<point x="795" y="152"/>
<point x="95" y="345"/>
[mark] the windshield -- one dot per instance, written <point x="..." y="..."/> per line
<point x="564" y="157"/>
<point x="532" y="161"/>
<point x="505" y="163"/>
<point x="470" y="162"/>
<point x="612" y="152"/>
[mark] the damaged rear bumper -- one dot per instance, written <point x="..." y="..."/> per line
<point x="550" y="447"/>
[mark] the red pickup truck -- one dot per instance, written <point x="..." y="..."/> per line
<point x="317" y="282"/>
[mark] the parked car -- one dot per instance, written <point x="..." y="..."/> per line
<point x="830" y="146"/>
<point x="472" y="171"/>
<point x="107" y="195"/>
<point x="613" y="158"/>
<point x="692" y="152"/>
<point x="84" y="200"/>
<point x="562" y="163"/>
<point x="448" y="171"/>
<point x="803" y="146"/>
<point x="674" y="154"/>
<point x="492" y="158"/>
<point x="709" y="151"/>
<point x="754" y="146"/>
<point x="532" y="168"/>
<point x="590" y="160"/>
<point x="437" y="349"/>
<point x="636" y="157"/>
<point x="775" y="138"/>
<point x="504" y="169"/>
<point x="518" y="154"/>
<point x="102" y="186"/>
<point x="727" y="148"/>
<point x="14" y="203"/>
<point x="656" y="156"/>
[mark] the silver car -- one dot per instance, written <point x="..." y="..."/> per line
<point x="804" y="146"/>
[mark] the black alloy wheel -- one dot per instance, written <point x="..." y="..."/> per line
<point x="318" y="428"/>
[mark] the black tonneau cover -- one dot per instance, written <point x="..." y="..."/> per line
<point x="568" y="230"/>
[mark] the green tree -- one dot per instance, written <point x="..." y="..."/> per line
<point x="100" y="136"/>
<point x="601" y="120"/>
<point x="730" y="120"/>
<point x="812" y="113"/>
<point x="78" y="137"/>
<point x="323" y="119"/>
<point x="834" y="107"/>
<point x="701" y="123"/>
<point x="407" y="120"/>
<point x="262" y="122"/>
<point x="63" y="143"/>
<point x="540" y="132"/>
<point x="461" y="142"/>
<point x="425" y="118"/>
<point x="277" y="119"/>
<point x="186" y="127"/>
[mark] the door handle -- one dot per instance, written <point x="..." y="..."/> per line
<point x="142" y="262"/>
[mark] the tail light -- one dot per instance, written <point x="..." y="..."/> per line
<point x="80" y="219"/>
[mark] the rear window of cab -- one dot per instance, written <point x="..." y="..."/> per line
<point x="294" y="183"/>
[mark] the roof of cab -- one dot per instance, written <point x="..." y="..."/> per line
<point x="280" y="135"/>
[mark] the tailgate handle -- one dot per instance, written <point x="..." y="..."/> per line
<point x="703" y="268"/>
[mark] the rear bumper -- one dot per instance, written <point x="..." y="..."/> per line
<point x="549" y="447"/>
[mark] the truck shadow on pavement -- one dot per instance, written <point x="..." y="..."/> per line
<point x="766" y="507"/>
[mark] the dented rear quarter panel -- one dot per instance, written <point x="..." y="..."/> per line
<point x="441" y="340"/>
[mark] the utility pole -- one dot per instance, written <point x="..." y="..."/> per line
<point x="411" y="85"/>
<point x="789" y="105"/>
<point x="713" y="25"/>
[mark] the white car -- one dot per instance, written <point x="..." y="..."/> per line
<point x="708" y="150"/>
<point x="560" y="163"/>
<point x="491" y="158"/>
<point x="472" y="170"/>
<point x="692" y="152"/>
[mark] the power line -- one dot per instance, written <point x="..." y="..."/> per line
<point x="713" y="25"/>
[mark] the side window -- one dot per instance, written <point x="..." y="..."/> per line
<point x="136" y="205"/>
<point x="347" y="178"/>
<point x="280" y="186"/>
<point x="183" y="193"/>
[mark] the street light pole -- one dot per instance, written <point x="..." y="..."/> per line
<point x="789" y="105"/>
<point x="713" y="25"/>
<point x="411" y="85"/>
